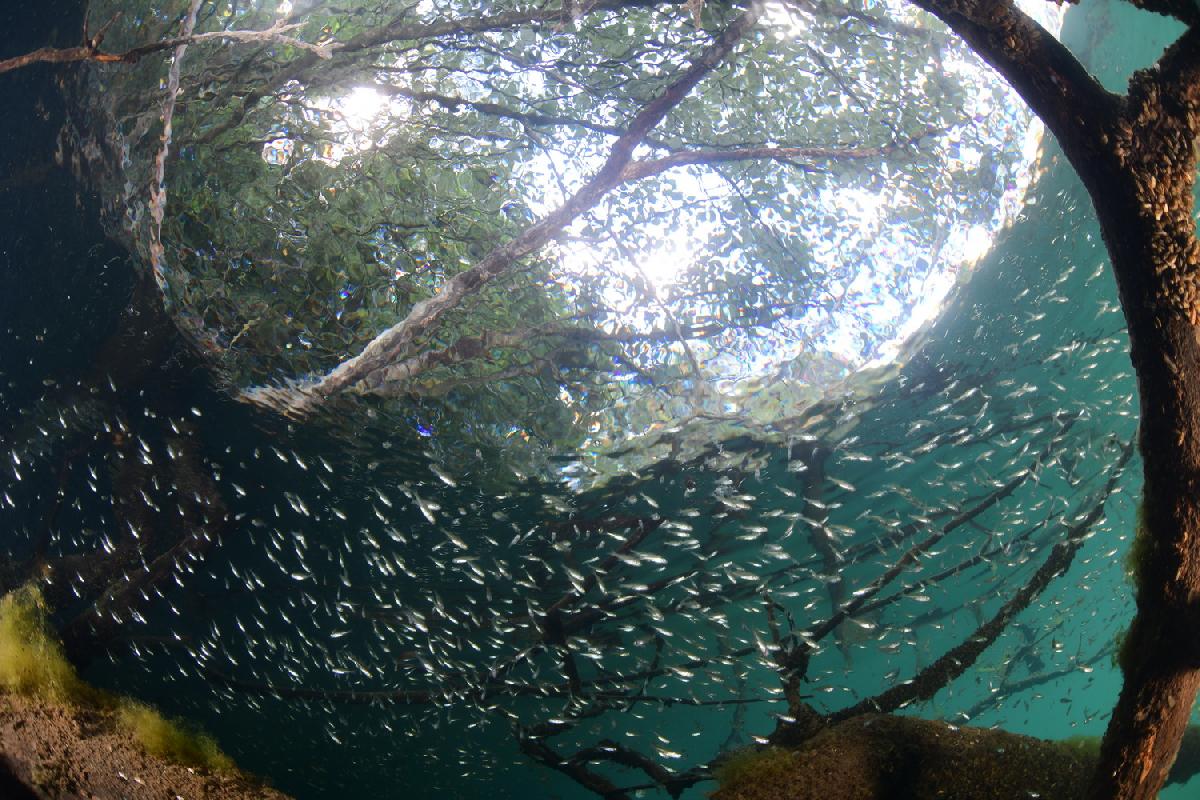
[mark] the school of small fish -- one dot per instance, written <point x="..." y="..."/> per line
<point x="383" y="602"/>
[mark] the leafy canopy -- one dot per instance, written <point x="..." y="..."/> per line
<point x="800" y="208"/>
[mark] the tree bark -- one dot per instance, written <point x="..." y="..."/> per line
<point x="1145" y="208"/>
<point x="1137" y="157"/>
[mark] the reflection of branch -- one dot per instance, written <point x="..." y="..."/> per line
<point x="401" y="28"/>
<point x="395" y="377"/>
<point x="528" y="118"/>
<point x="464" y="348"/>
<point x="276" y="32"/>
<point x="646" y="167"/>
<point x="158" y="186"/>
<point x="839" y="14"/>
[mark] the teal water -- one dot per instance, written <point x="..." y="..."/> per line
<point x="362" y="561"/>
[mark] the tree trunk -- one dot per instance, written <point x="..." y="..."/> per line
<point x="1137" y="157"/>
<point x="1146" y="215"/>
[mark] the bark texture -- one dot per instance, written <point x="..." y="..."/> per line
<point x="1137" y="156"/>
<point x="1144" y="203"/>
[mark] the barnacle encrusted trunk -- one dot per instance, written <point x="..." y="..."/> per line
<point x="1143" y="197"/>
<point x="1137" y="156"/>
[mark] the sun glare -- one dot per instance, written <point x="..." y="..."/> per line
<point x="350" y="119"/>
<point x="361" y="108"/>
<point x="890" y="319"/>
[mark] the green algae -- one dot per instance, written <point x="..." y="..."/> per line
<point x="32" y="664"/>
<point x="887" y="757"/>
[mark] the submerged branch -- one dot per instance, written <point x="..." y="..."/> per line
<point x="911" y="556"/>
<point x="957" y="660"/>
<point x="575" y="770"/>
<point x="446" y="695"/>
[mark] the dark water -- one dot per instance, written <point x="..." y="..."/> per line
<point x="56" y="262"/>
<point x="359" y="562"/>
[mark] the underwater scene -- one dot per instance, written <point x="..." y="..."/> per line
<point x="536" y="400"/>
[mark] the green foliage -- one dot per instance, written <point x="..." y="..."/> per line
<point x="313" y="203"/>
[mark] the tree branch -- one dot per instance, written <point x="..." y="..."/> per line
<point x="529" y="118"/>
<point x="1071" y="103"/>
<point x="862" y="596"/>
<point x="1186" y="11"/>
<point x="401" y="29"/>
<point x="1146" y="211"/>
<point x="390" y="344"/>
<point x="1178" y="71"/>
<point x="573" y="769"/>
<point x="90" y="50"/>
<point x="608" y="750"/>
<point x="957" y="660"/>
<point x="644" y="168"/>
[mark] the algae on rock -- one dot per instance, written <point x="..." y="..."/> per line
<point x="889" y="757"/>
<point x="33" y="666"/>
